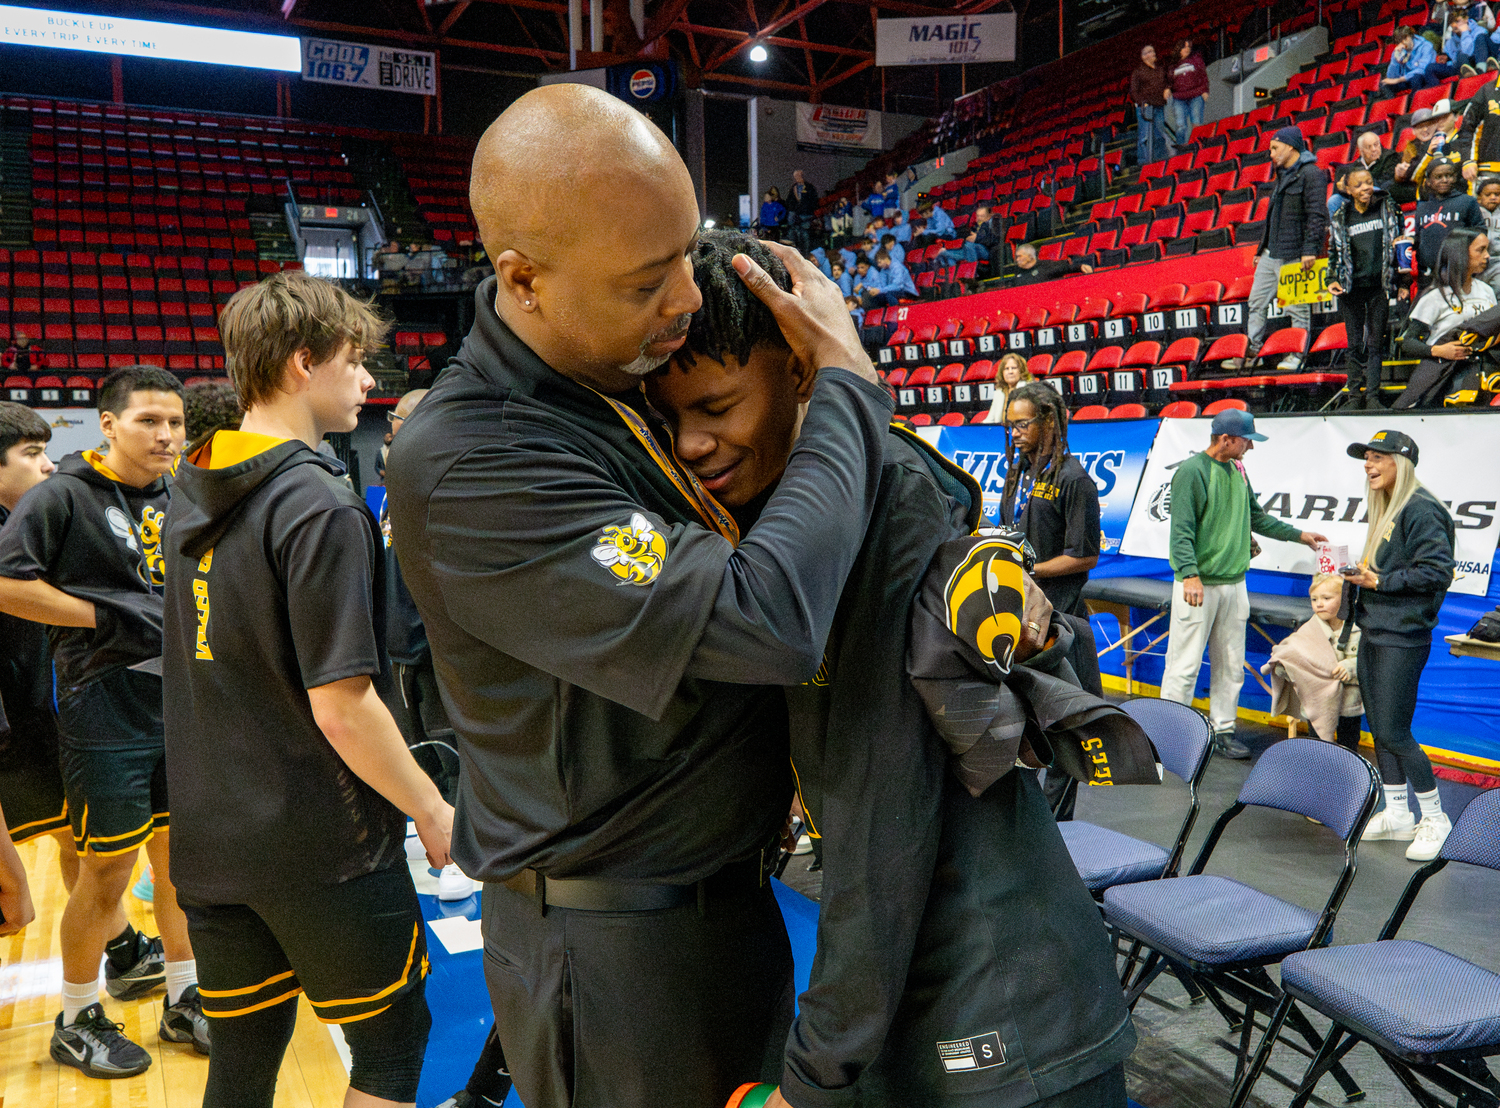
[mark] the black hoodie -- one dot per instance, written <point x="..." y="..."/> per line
<point x="274" y="587"/>
<point x="25" y="677"/>
<point x="98" y="539"/>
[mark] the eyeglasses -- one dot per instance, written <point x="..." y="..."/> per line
<point x="1022" y="424"/>
<point x="392" y="417"/>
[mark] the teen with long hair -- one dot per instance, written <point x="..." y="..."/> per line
<point x="1454" y="298"/>
<point x="1402" y="575"/>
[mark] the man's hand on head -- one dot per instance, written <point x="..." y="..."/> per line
<point x="812" y="317"/>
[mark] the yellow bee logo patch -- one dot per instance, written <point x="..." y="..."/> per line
<point x="634" y="554"/>
<point x="985" y="597"/>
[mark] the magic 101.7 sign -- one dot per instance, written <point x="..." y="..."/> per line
<point x="950" y="40"/>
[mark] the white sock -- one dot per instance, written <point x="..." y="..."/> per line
<point x="1395" y="801"/>
<point x="1432" y="804"/>
<point x="179" y="976"/>
<point x="78" y="997"/>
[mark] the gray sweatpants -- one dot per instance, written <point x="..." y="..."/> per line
<point x="1263" y="295"/>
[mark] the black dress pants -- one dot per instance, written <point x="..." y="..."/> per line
<point x="1364" y="309"/>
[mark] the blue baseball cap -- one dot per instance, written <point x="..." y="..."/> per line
<point x="1233" y="421"/>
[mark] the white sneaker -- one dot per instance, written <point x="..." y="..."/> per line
<point x="1430" y="834"/>
<point x="804" y="844"/>
<point x="1387" y="824"/>
<point x="454" y="883"/>
<point x="1291" y="363"/>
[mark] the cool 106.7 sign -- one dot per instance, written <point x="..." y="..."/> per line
<point x="332" y="62"/>
<point x="938" y="41"/>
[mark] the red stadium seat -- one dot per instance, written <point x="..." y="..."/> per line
<point x="1141" y="355"/>
<point x="1204" y="292"/>
<point x="1179" y="409"/>
<point x="1039" y="365"/>
<point x="1105" y="358"/>
<point x="1288" y="340"/>
<point x="1091" y="411"/>
<point x="1332" y="338"/>
<point x="1183" y="352"/>
<point x="1224" y="405"/>
<point x="1093" y="308"/>
<point x="1073" y="362"/>
<point x="921" y="419"/>
<point x="1127" y="411"/>
<point x="1167" y="296"/>
<point x="951" y="419"/>
<point x="1227" y="346"/>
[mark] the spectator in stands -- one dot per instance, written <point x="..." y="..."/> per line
<point x="1188" y="83"/>
<point x="874" y="204"/>
<point x="19" y="354"/>
<point x="988" y="233"/>
<point x="802" y="209"/>
<point x="819" y="257"/>
<point x="1454" y="298"/>
<point x="1441" y="209"/>
<point x="1030" y="271"/>
<point x="1467" y="44"/>
<point x="1478" y="137"/>
<point x="1402" y="576"/>
<point x="856" y="313"/>
<point x="1441" y="144"/>
<point x="849" y="254"/>
<point x="1371" y="157"/>
<point x="772" y="212"/>
<point x="867" y="283"/>
<point x="1010" y="374"/>
<point x="899" y="226"/>
<point x="1214" y="510"/>
<point x="1149" y="94"/>
<point x="1362" y="274"/>
<point x="889" y="244"/>
<point x="895" y="281"/>
<point x="939" y="223"/>
<point x="1478" y="11"/>
<point x="1487" y="191"/>
<point x="1412" y="58"/>
<point x="1296" y="225"/>
<point x="892" y="195"/>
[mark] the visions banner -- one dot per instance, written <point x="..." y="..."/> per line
<point x="332" y="62"/>
<point x="952" y="40"/>
<point x="830" y="129"/>
<point x="1303" y="476"/>
<point x="1114" y="455"/>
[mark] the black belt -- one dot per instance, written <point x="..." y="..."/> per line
<point x="602" y="894"/>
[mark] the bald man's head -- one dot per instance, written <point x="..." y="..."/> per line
<point x="555" y="159"/>
<point x="589" y="216"/>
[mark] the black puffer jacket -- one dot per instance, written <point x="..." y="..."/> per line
<point x="1297" y="223"/>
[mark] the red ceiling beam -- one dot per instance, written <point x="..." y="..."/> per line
<point x="758" y="82"/>
<point x="452" y="17"/>
<point x="771" y="28"/>
<point x="838" y="78"/>
<point x="774" y="40"/>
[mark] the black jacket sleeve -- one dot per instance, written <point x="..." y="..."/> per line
<point x="878" y="811"/>
<point x="1315" y="212"/>
<point x="1425" y="565"/>
<point x="527" y="536"/>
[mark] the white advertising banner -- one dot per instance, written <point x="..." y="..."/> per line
<point x="832" y="129"/>
<point x="1303" y="476"/>
<point x="937" y="40"/>
<point x="332" y="62"/>
<point x="146" y="38"/>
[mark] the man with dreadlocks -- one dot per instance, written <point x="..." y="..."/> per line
<point x="959" y="960"/>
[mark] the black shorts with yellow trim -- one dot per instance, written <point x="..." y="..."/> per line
<point x="31" y="783"/>
<point x="114" y="763"/>
<point x="354" y="949"/>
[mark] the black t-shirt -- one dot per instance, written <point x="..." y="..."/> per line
<point x="274" y="587"/>
<point x="1365" y="237"/>
<point x="1062" y="517"/>
<point x="25" y="678"/>
<point x="98" y="539"/>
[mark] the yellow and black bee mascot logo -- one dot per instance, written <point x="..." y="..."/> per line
<point x="633" y="553"/>
<point x="985" y="598"/>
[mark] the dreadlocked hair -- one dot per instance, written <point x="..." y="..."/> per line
<point x="732" y="321"/>
<point x="1048" y="404"/>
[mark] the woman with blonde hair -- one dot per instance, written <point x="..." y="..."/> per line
<point x="1398" y="588"/>
<point x="1010" y="374"/>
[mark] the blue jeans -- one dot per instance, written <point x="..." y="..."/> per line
<point x="968" y="252"/>
<point x="1483" y="51"/>
<point x="1151" y="142"/>
<point x="1186" y="114"/>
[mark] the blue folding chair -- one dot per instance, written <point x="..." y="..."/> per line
<point x="1428" y="1014"/>
<point x="1105" y="858"/>
<point x="1221" y="934"/>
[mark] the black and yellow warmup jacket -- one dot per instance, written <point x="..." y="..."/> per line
<point x="93" y="536"/>
<point x="587" y="606"/>
<point x="1415" y="566"/>
<point x="960" y="959"/>
<point x="275" y="587"/>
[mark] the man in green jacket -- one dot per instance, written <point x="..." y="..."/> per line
<point x="1214" y="509"/>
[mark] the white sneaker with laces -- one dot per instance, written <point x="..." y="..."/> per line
<point x="1291" y="363"/>
<point x="454" y="883"/>
<point x="1387" y="824"/>
<point x="1430" y="836"/>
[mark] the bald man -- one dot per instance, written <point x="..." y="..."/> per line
<point x="600" y="628"/>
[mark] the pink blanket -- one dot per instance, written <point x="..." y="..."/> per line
<point x="1303" y="682"/>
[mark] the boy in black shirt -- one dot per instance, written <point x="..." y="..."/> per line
<point x="81" y="554"/>
<point x="960" y="960"/>
<point x="290" y="774"/>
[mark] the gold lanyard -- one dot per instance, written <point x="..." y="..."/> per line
<point x="692" y="490"/>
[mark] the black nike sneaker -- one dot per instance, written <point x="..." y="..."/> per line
<point x="184" y="1021"/>
<point x="149" y="971"/>
<point x="94" y="1044"/>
